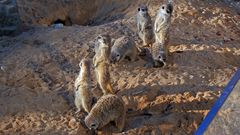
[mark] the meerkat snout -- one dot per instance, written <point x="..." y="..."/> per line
<point x="91" y="124"/>
<point x="162" y="57"/>
<point x="115" y="57"/>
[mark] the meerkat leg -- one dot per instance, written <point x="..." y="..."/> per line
<point x="79" y="107"/>
<point x="78" y="102"/>
<point x="120" y="122"/>
<point x="88" y="105"/>
<point x="133" y="56"/>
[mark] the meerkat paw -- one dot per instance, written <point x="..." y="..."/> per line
<point x="78" y="110"/>
<point x="120" y="123"/>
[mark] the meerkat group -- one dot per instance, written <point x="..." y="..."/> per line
<point x="159" y="48"/>
<point x="110" y="107"/>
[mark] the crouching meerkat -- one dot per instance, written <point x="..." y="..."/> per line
<point x="161" y="31"/>
<point x="144" y="26"/>
<point x="101" y="64"/>
<point x="83" y="96"/>
<point x="107" y="109"/>
<point x="159" y="54"/>
<point x="122" y="48"/>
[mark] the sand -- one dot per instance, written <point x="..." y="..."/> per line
<point x="39" y="67"/>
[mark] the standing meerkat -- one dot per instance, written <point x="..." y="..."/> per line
<point x="144" y="26"/>
<point x="108" y="108"/>
<point x="101" y="64"/>
<point x="161" y="31"/>
<point x="122" y="48"/>
<point x="83" y="95"/>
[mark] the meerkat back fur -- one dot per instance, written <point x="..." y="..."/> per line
<point x="83" y="95"/>
<point x="101" y="64"/>
<point x="122" y="48"/>
<point x="144" y="26"/>
<point x="108" y="108"/>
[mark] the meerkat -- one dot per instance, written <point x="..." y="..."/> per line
<point x="83" y="96"/>
<point x="101" y="64"/>
<point x="158" y="52"/>
<point x="161" y="31"/>
<point x="107" y="109"/>
<point x="144" y="26"/>
<point x="103" y="39"/>
<point x="123" y="48"/>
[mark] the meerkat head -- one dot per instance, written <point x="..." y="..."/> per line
<point x="85" y="63"/>
<point x="115" y="57"/>
<point x="143" y="10"/>
<point x="159" y="58"/>
<point x="91" y="122"/>
<point x="104" y="40"/>
<point x="166" y="9"/>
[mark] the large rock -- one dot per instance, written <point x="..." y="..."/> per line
<point x="9" y="18"/>
<point x="80" y="12"/>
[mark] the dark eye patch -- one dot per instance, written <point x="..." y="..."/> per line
<point x="139" y="9"/>
<point x="163" y="7"/>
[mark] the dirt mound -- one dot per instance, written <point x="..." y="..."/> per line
<point x="39" y="67"/>
<point x="70" y="12"/>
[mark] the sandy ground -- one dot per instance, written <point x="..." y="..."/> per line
<point x="38" y="69"/>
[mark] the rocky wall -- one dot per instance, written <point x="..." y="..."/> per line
<point x="68" y="12"/>
<point x="9" y="18"/>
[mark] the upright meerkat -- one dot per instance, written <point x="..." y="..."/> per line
<point x="161" y="31"/>
<point x="122" y="48"/>
<point x="108" y="108"/>
<point x="101" y="64"/>
<point x="83" y="95"/>
<point x="144" y="26"/>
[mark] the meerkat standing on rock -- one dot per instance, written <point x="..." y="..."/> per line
<point x="123" y="47"/>
<point x="101" y="64"/>
<point x="108" y="108"/>
<point x="83" y="95"/>
<point x="161" y="31"/>
<point x="144" y="26"/>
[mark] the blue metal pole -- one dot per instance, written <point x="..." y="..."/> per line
<point x="218" y="104"/>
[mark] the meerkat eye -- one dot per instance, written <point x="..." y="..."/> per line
<point x="159" y="57"/>
<point x="118" y="55"/>
<point x="163" y="7"/>
<point x="98" y="37"/>
<point x="139" y="9"/>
